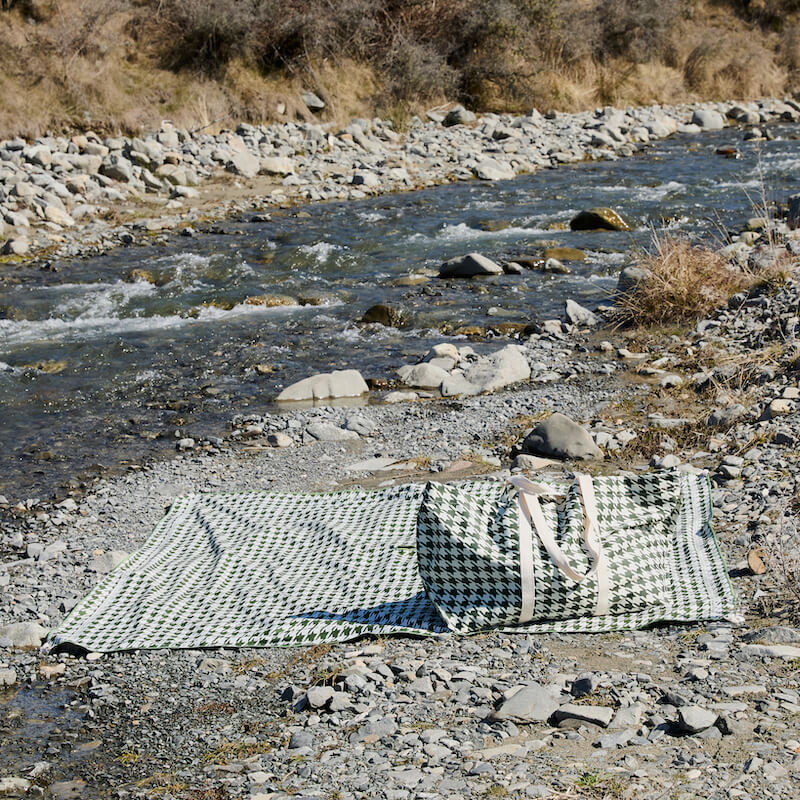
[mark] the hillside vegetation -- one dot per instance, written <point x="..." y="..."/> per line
<point x="127" y="64"/>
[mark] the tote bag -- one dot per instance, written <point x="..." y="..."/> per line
<point x="535" y="552"/>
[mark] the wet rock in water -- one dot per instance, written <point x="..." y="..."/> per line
<point x="555" y="267"/>
<point x="388" y="316"/>
<point x="708" y="119"/>
<point x="513" y="268"/>
<point x="560" y="437"/>
<point x="630" y="278"/>
<point x="21" y="635"/>
<point x="340" y="383"/>
<point x="532" y="703"/>
<point x="599" y="218"/>
<point x="469" y="265"/>
<point x="400" y="397"/>
<point x="138" y="275"/>
<point x="564" y="254"/>
<point x="578" y="315"/>
<point x="270" y="300"/>
<point x="328" y="432"/>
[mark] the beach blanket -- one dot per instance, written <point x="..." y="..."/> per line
<point x="258" y="569"/>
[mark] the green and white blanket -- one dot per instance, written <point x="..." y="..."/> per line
<point x="258" y="569"/>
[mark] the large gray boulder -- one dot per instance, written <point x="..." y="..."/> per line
<point x="469" y="265"/>
<point x="499" y="369"/>
<point x="708" y="119"/>
<point x="277" y="165"/>
<point x="559" y="437"/>
<point x="340" y="383"/>
<point x="422" y="376"/>
<point x="313" y="101"/>
<point x="492" y="170"/>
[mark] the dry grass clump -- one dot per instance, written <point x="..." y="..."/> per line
<point x="685" y="282"/>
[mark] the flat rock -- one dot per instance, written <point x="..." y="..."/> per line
<point x="469" y="265"/>
<point x="340" y="383"/>
<point x="759" y="650"/>
<point x="328" y="432"/>
<point x="23" y="634"/>
<point x="244" y="164"/>
<point x="532" y="703"/>
<point x="597" y="715"/>
<point x="560" y="437"/>
<point x="708" y="120"/>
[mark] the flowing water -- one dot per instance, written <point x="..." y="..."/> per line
<point x="97" y="371"/>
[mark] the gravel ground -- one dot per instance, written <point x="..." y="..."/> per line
<point x="697" y="711"/>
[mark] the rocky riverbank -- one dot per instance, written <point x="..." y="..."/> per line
<point x="674" y="712"/>
<point x="77" y="197"/>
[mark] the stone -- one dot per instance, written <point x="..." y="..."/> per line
<point x="777" y="634"/>
<point x="108" y="561"/>
<point x="532" y="703"/>
<point x="8" y="677"/>
<point x="725" y="417"/>
<point x="280" y="439"/>
<point x="693" y="719"/>
<point x="340" y="383"/>
<point x="276" y="165"/>
<point x="186" y="443"/>
<point x="318" y="696"/>
<point x="793" y="216"/>
<point x="301" y="739"/>
<point x="760" y="650"/>
<point x="313" y="102"/>
<point x="328" y="432"/>
<point x="596" y="715"/>
<point x="118" y="168"/>
<point x="16" y="246"/>
<point x="388" y="316"/>
<point x="578" y="315"/>
<point x="459" y="116"/>
<point x="708" y="119"/>
<point x="22" y="635"/>
<point x="244" y="164"/>
<point x="422" y="376"/>
<point x="599" y="218"/>
<point x="14" y="787"/>
<point x="400" y="397"/>
<point x="612" y="741"/>
<point x="628" y="717"/>
<point x="502" y="368"/>
<point x="469" y="265"/>
<point x="492" y="170"/>
<point x="560" y="437"/>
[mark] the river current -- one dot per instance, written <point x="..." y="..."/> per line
<point x="98" y="370"/>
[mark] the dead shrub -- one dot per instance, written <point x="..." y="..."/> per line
<point x="686" y="282"/>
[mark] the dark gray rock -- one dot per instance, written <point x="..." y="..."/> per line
<point x="559" y="437"/>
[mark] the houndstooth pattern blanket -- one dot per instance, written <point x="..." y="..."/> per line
<point x="258" y="569"/>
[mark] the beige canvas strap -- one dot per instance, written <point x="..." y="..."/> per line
<point x="532" y="519"/>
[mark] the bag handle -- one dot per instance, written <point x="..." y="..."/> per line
<point x="531" y="518"/>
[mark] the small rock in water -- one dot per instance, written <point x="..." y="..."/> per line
<point x="599" y="218"/>
<point x="340" y="383"/>
<point x="468" y="266"/>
